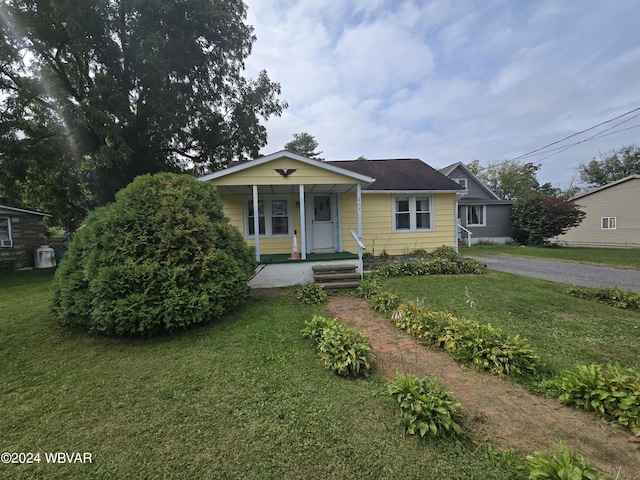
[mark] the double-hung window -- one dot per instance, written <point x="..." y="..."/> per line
<point x="5" y="232"/>
<point x="476" y="215"/>
<point x="412" y="213"/>
<point x="274" y="217"/>
<point x="608" y="223"/>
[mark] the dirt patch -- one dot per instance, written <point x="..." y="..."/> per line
<point x="501" y="412"/>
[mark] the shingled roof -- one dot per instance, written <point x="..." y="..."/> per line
<point x="400" y="174"/>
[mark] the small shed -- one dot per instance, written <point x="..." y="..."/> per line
<point x="21" y="233"/>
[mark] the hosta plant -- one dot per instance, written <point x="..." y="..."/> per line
<point x="611" y="391"/>
<point x="562" y="465"/>
<point x="426" y="408"/>
<point x="311" y="294"/>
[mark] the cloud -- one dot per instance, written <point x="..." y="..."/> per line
<point x="447" y="81"/>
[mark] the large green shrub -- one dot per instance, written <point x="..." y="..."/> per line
<point x="160" y="258"/>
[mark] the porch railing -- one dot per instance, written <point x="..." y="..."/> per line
<point x="361" y="247"/>
<point x="469" y="234"/>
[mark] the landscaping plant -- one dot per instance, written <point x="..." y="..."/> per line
<point x="311" y="293"/>
<point x="343" y="351"/>
<point x="611" y="391"/>
<point x="426" y="408"/>
<point x="611" y="296"/>
<point x="562" y="465"/>
<point x="160" y="258"/>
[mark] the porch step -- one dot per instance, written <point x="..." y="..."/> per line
<point x="336" y="276"/>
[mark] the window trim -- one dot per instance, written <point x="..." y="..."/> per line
<point x="484" y="216"/>
<point x="268" y="215"/>
<point x="7" y="243"/>
<point x="610" y="221"/>
<point x="463" y="182"/>
<point x="412" y="213"/>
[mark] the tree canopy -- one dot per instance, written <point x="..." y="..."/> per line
<point x="96" y="92"/>
<point x="304" y="144"/>
<point x="612" y="166"/>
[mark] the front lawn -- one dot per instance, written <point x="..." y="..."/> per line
<point x="244" y="397"/>
<point x="562" y="329"/>
<point x="616" y="257"/>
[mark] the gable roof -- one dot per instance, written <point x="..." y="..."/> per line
<point x="451" y="168"/>
<point x="400" y="174"/>
<point x="608" y="185"/>
<point x="239" y="166"/>
<point x="22" y="210"/>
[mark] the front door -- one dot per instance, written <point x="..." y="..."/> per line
<point x="323" y="236"/>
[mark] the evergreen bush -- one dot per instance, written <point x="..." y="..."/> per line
<point x="160" y="258"/>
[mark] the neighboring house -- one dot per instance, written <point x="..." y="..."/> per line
<point x="21" y="233"/>
<point x="612" y="216"/>
<point x="394" y="205"/>
<point x="484" y="216"/>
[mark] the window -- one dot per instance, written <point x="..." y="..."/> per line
<point x="5" y="232"/>
<point x="476" y="215"/>
<point x="461" y="181"/>
<point x="411" y="213"/>
<point x="608" y="223"/>
<point x="273" y="217"/>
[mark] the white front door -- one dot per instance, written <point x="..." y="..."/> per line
<point x="323" y="236"/>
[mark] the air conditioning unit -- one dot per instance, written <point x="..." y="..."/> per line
<point x="6" y="243"/>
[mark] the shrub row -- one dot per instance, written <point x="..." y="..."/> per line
<point x="610" y="390"/>
<point x="611" y="296"/>
<point x="343" y="351"/>
<point x="426" y="408"/>
<point x="480" y="345"/>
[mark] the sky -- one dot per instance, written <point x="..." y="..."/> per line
<point x="448" y="81"/>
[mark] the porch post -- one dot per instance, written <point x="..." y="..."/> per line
<point x="256" y="221"/>
<point x="303" y="225"/>
<point x="359" y="205"/>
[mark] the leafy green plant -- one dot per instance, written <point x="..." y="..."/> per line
<point x="611" y="296"/>
<point x="369" y="287"/>
<point x="384" y="301"/>
<point x="609" y="390"/>
<point x="160" y="258"/>
<point x="343" y="351"/>
<point x="311" y="294"/>
<point x="562" y="465"/>
<point x="426" y="408"/>
<point x="384" y="255"/>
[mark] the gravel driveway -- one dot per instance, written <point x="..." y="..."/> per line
<point x="573" y="273"/>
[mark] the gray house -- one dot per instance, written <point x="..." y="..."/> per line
<point x="482" y="215"/>
<point x="21" y="233"/>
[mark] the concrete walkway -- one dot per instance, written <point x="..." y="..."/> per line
<point x="573" y="273"/>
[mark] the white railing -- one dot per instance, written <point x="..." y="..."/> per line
<point x="469" y="234"/>
<point x="361" y="247"/>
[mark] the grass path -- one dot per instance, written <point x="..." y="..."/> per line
<point x="500" y="411"/>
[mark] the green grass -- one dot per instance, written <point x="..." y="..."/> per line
<point x="244" y="397"/>
<point x="617" y="257"/>
<point x="563" y="330"/>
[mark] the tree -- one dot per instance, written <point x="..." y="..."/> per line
<point x="537" y="217"/>
<point x="304" y="144"/>
<point x="160" y="258"/>
<point x="612" y="166"/>
<point x="509" y="180"/>
<point x="111" y="89"/>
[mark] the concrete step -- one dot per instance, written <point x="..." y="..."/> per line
<point x="333" y="277"/>
<point x="341" y="285"/>
<point x="326" y="269"/>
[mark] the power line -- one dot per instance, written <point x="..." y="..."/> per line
<point x="575" y="134"/>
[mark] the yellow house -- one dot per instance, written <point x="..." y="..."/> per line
<point x="395" y="205"/>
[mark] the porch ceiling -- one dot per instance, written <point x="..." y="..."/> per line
<point x="286" y="189"/>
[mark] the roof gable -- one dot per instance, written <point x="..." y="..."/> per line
<point x="458" y="168"/>
<point x="400" y="174"/>
<point x="283" y="155"/>
<point x="608" y="185"/>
